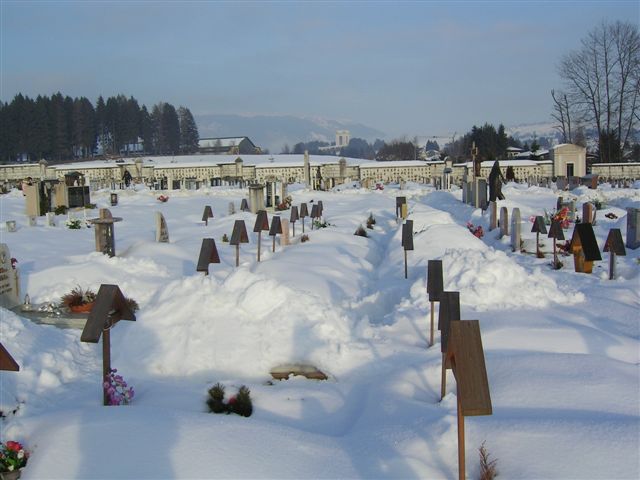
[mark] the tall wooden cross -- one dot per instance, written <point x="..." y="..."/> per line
<point x="476" y="164"/>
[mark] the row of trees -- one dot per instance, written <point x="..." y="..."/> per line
<point x="60" y="127"/>
<point x="492" y="144"/>
<point x="602" y="89"/>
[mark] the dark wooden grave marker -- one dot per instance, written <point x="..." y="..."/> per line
<point x="7" y="362"/>
<point x="407" y="242"/>
<point x="244" y="205"/>
<point x="207" y="214"/>
<point x="615" y="246"/>
<point x="556" y="232"/>
<point x="399" y="202"/>
<point x="114" y="199"/>
<point x="208" y="254"/>
<point x="449" y="312"/>
<point x="320" y="209"/>
<point x="294" y="218"/>
<point x="584" y="248"/>
<point x="466" y="357"/>
<point x="434" y="289"/>
<point x="109" y="308"/>
<point x="276" y="228"/>
<point x="262" y="223"/>
<point x="104" y="232"/>
<point x="238" y="236"/>
<point x="315" y="213"/>
<point x="539" y="227"/>
<point x="304" y="212"/>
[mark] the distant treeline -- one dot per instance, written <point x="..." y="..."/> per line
<point x="60" y="127"/>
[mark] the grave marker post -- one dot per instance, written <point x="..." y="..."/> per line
<point x="515" y="230"/>
<point x="109" y="308"/>
<point x="434" y="289"/>
<point x="244" y="205"/>
<point x="239" y="236"/>
<point x="504" y="222"/>
<point x="493" y="212"/>
<point x="208" y="254"/>
<point x="294" y="218"/>
<point x="633" y="228"/>
<point x="162" y="231"/>
<point x="584" y="248"/>
<point x="104" y="232"/>
<point x="9" y="281"/>
<point x="615" y="246"/>
<point x="399" y="202"/>
<point x="538" y="227"/>
<point x="320" y="210"/>
<point x="207" y="214"/>
<point x="449" y="312"/>
<point x="304" y="212"/>
<point x="262" y="223"/>
<point x="407" y="241"/>
<point x="7" y="362"/>
<point x="588" y="213"/>
<point x="555" y="232"/>
<point x="315" y="213"/>
<point x="276" y="228"/>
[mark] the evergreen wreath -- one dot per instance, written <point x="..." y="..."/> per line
<point x="239" y="403"/>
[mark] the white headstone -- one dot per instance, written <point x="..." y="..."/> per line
<point x="232" y="208"/>
<point x="9" y="283"/>
<point x="284" y="239"/>
<point x="493" y="212"/>
<point x="33" y="221"/>
<point x="162" y="232"/>
<point x="51" y="219"/>
<point x="504" y="222"/>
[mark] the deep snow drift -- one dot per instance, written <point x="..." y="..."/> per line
<point x="562" y="348"/>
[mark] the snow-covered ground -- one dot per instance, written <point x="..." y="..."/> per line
<point x="562" y="348"/>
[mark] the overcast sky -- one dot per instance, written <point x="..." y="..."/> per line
<point x="409" y="68"/>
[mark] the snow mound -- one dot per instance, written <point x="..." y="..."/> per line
<point x="488" y="279"/>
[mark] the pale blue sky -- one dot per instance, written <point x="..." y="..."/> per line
<point x="409" y="68"/>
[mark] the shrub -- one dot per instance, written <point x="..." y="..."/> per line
<point x="361" y="232"/>
<point x="225" y="238"/>
<point x="371" y="221"/>
<point x="90" y="206"/>
<point x="488" y="470"/>
<point x="239" y="404"/>
<point x="320" y="224"/>
<point x="304" y="238"/>
<point x="215" y="402"/>
<point x="60" y="210"/>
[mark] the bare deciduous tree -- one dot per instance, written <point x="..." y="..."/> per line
<point x="603" y="84"/>
<point x="562" y="115"/>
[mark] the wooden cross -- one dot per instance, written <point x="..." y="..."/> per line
<point x="476" y="165"/>
<point x="584" y="248"/>
<point x="434" y="289"/>
<point x="262" y="223"/>
<point x="615" y="246"/>
<point x="109" y="308"/>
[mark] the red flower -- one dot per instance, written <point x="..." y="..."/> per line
<point x="14" y="446"/>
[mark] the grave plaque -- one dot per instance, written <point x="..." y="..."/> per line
<point x="434" y="289"/>
<point x="294" y="218"/>
<point x="407" y="241"/>
<point x="633" y="228"/>
<point x="304" y="212"/>
<point x="7" y="362"/>
<point x="9" y="281"/>
<point x="584" y="248"/>
<point x="466" y="356"/>
<point x="208" y="254"/>
<point x="239" y="236"/>
<point x="276" y="228"/>
<point x="104" y="232"/>
<point x="162" y="231"/>
<point x="493" y="216"/>
<point x="515" y="230"/>
<point x="588" y="213"/>
<point x="262" y="223"/>
<point x="109" y="308"/>
<point x="504" y="222"/>
<point x="244" y="205"/>
<point x="207" y="214"/>
<point x="114" y="199"/>
<point x="615" y="246"/>
<point x="404" y="211"/>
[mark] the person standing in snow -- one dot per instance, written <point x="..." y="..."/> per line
<point x="495" y="183"/>
<point x="127" y="178"/>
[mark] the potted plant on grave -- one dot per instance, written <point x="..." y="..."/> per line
<point x="81" y="301"/>
<point x="13" y="457"/>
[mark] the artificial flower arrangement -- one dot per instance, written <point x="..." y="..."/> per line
<point x="163" y="198"/>
<point x="561" y="216"/>
<point x="239" y="403"/>
<point x="285" y="205"/>
<point x="13" y="456"/>
<point x="118" y="392"/>
<point x="76" y="223"/>
<point x="81" y="301"/>
<point x="476" y="231"/>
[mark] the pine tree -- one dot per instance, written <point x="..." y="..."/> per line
<point x="146" y="130"/>
<point x="170" y="129"/>
<point x="189" y="136"/>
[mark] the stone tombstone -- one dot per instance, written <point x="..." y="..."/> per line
<point x="588" y="213"/>
<point x="162" y="232"/>
<point x="232" y="208"/>
<point x="633" y="228"/>
<point x="481" y="193"/>
<point x="515" y="230"/>
<point x="284" y="240"/>
<point x="51" y="219"/>
<point x="104" y="232"/>
<point x="256" y="198"/>
<point x="33" y="221"/>
<point x="244" y="205"/>
<point x="32" y="199"/>
<point x="11" y="226"/>
<point x="114" y="199"/>
<point x="561" y="183"/>
<point x="504" y="222"/>
<point x="9" y="281"/>
<point x="493" y="216"/>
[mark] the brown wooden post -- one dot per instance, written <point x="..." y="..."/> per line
<point x="434" y="289"/>
<point x="259" y="237"/>
<point x="262" y="223"/>
<point x="406" y="273"/>
<point x="237" y="255"/>
<point x="407" y="242"/>
<point x="432" y="328"/>
<point x="461" y="459"/>
<point x="615" y="246"/>
<point x="6" y="361"/>
<point x="106" y="361"/>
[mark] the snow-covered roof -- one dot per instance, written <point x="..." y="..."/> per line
<point x="399" y="163"/>
<point x="502" y="163"/>
<point x="225" y="142"/>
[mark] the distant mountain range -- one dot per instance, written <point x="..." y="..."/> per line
<point x="274" y="131"/>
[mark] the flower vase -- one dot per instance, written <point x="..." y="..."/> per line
<point x="83" y="308"/>
<point x="14" y="475"/>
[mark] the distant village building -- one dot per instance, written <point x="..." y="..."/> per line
<point x="228" y="146"/>
<point x="343" y="137"/>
